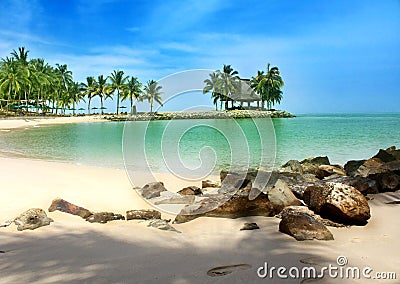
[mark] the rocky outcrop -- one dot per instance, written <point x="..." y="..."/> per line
<point x="363" y="185"/>
<point x="338" y="202"/>
<point x="152" y="190"/>
<point x="302" y="227"/>
<point x="311" y="165"/>
<point x="191" y="190"/>
<point x="29" y="220"/>
<point x="352" y="166"/>
<point x="292" y="166"/>
<point x="227" y="206"/>
<point x="144" y="214"/>
<point x="281" y="196"/>
<point x="104" y="217"/>
<point x="67" y="207"/>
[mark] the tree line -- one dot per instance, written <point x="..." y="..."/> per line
<point x="34" y="84"/>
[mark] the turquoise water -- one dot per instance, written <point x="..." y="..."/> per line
<point x="207" y="143"/>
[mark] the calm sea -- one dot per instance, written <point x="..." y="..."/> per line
<point x="207" y="143"/>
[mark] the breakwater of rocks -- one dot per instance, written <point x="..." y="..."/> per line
<point x="202" y="115"/>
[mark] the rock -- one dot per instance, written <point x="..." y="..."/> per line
<point x="338" y="202"/>
<point x="297" y="183"/>
<point x="328" y="170"/>
<point x="104" y="217"/>
<point x="152" y="190"/>
<point x="144" y="214"/>
<point x="351" y="167"/>
<point x="227" y="206"/>
<point x="191" y="190"/>
<point x="32" y="219"/>
<point x="385" y="155"/>
<point x="302" y="227"/>
<point x="184" y="199"/>
<point x="305" y="210"/>
<point x="244" y="174"/>
<point x="311" y="165"/>
<point x="395" y="153"/>
<point x="281" y="196"/>
<point x="292" y="166"/>
<point x="64" y="206"/>
<point x="370" y="167"/>
<point x="363" y="185"/>
<point x="162" y="225"/>
<point x="209" y="183"/>
<point x="387" y="181"/>
<point x="249" y="226"/>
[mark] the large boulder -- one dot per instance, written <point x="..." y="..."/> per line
<point x="370" y="167"/>
<point x="152" y="190"/>
<point x="338" y="202"/>
<point x="281" y="196"/>
<point x="32" y="219"/>
<point x="227" y="206"/>
<point x="385" y="155"/>
<point x="302" y="227"/>
<point x="67" y="207"/>
<point x="352" y="166"/>
<point x="387" y="181"/>
<point x="144" y="214"/>
<point x="395" y="153"/>
<point x="306" y="210"/>
<point x="363" y="185"/>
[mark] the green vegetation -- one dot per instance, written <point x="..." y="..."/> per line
<point x="226" y="86"/>
<point x="35" y="86"/>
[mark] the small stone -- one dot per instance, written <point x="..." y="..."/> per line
<point x="191" y="190"/>
<point x="145" y="214"/>
<point x="249" y="226"/>
<point x="104" y="217"/>
<point x="162" y="225"/>
<point x="152" y="190"/>
<point x="32" y="219"/>
<point x="209" y="183"/>
<point x="67" y="207"/>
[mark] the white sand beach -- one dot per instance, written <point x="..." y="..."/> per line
<point x="71" y="250"/>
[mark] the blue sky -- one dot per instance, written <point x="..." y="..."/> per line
<point x="334" y="56"/>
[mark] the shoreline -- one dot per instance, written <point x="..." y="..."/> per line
<point x="71" y="249"/>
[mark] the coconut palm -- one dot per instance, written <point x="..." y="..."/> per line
<point x="118" y="82"/>
<point x="212" y="85"/>
<point x="229" y="83"/>
<point x="133" y="91"/>
<point x="64" y="79"/>
<point x="88" y="90"/>
<point x="152" y="92"/>
<point x="103" y="90"/>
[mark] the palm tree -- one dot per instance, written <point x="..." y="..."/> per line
<point x="74" y="95"/>
<point x="21" y="56"/>
<point x="152" y="93"/>
<point x="88" y="89"/>
<point x="229" y="84"/>
<point x="118" y="84"/>
<point x="132" y="91"/>
<point x="102" y="90"/>
<point x="65" y="79"/>
<point x="212" y="85"/>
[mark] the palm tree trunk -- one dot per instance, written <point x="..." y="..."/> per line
<point x="89" y="106"/>
<point x="101" y="102"/>
<point x="117" y="102"/>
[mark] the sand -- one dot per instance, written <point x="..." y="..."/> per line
<point x="71" y="250"/>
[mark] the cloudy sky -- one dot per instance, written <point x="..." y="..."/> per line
<point x="334" y="56"/>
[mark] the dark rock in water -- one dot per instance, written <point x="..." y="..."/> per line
<point x="338" y="202"/>
<point x="302" y="227"/>
<point x="395" y="153"/>
<point x="249" y="226"/>
<point x="385" y="156"/>
<point x="152" y="190"/>
<point x="227" y="206"/>
<point x="144" y="214"/>
<point x="292" y="166"/>
<point x="209" y="183"/>
<point x="67" y="207"/>
<point x="104" y="217"/>
<point x="305" y="210"/>
<point x="328" y="170"/>
<point x="281" y="196"/>
<point x="363" y="185"/>
<point x="351" y="167"/>
<point x="162" y="225"/>
<point x="32" y="219"/>
<point x="191" y="190"/>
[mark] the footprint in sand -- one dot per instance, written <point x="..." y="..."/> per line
<point x="228" y="269"/>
